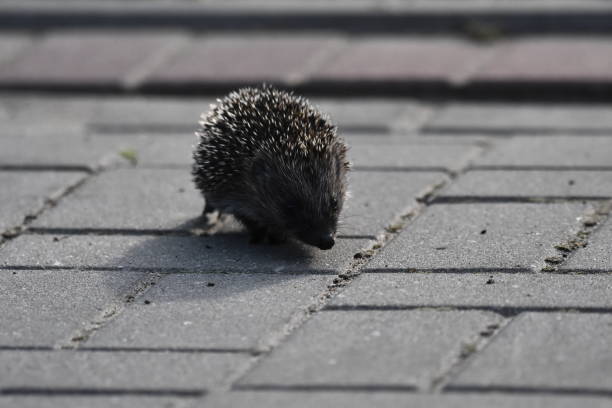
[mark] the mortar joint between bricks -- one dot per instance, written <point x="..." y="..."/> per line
<point x="49" y="202"/>
<point x="360" y="259"/>
<point x="589" y="222"/>
<point x="437" y="109"/>
<point x="110" y="312"/>
<point x="469" y="349"/>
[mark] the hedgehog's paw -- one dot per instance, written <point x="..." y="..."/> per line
<point x="211" y="219"/>
<point x="276" y="237"/>
<point x="210" y="215"/>
<point x="257" y="232"/>
<point x="257" y="235"/>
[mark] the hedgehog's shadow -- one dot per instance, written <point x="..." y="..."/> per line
<point x="228" y="251"/>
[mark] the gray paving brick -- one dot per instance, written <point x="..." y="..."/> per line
<point x="506" y="290"/>
<point x="399" y="137"/>
<point x="394" y="59"/>
<point x="479" y="236"/>
<point x="97" y="401"/>
<point x="174" y="149"/>
<point x="522" y="117"/>
<point x="44" y="308"/>
<point x="377" y="197"/>
<point x="129" y="198"/>
<point x="47" y="111"/>
<point x="123" y="370"/>
<point x="222" y="252"/>
<point x="407" y="348"/>
<point x="155" y="114"/>
<point x="550" y="59"/>
<point x="377" y="114"/>
<point x="406" y="154"/>
<point x="239" y="311"/>
<point x="56" y="147"/>
<point x="348" y="399"/>
<point x="90" y="57"/>
<point x="562" y="151"/>
<point x="374" y="113"/>
<point x="597" y="254"/>
<point x="531" y="184"/>
<point x="166" y="199"/>
<point x="110" y="114"/>
<point x="264" y="57"/>
<point x="560" y="350"/>
<point x="24" y="193"/>
<point x="149" y="111"/>
<point x="166" y="150"/>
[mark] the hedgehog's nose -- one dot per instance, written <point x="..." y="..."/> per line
<point x="326" y="242"/>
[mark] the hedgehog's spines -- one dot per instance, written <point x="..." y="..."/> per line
<point x="296" y="145"/>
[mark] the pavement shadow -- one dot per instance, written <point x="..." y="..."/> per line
<point x="227" y="252"/>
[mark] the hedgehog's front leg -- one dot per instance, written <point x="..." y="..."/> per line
<point x="276" y="237"/>
<point x="257" y="231"/>
<point x="210" y="214"/>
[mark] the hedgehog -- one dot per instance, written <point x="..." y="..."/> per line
<point x="274" y="162"/>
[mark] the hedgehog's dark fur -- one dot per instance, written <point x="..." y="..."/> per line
<point x="275" y="162"/>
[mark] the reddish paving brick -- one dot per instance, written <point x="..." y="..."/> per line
<point x="99" y="58"/>
<point x="551" y="60"/>
<point x="397" y="59"/>
<point x="11" y="46"/>
<point x="244" y="59"/>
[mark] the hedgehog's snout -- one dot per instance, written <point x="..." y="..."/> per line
<point x="321" y="240"/>
<point x="326" y="241"/>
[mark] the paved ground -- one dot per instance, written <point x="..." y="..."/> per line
<point x="358" y="16"/>
<point x="323" y="63"/>
<point x="473" y="266"/>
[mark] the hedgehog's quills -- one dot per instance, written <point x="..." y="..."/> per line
<point x="275" y="162"/>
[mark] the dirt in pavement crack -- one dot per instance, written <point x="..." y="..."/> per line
<point x="588" y="224"/>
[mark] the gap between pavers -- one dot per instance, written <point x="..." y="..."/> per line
<point x="24" y="193"/>
<point x="39" y="306"/>
<point x="216" y="311"/>
<point x="480" y="237"/>
<point x="369" y="349"/>
<point x="597" y="255"/>
<point x="553" y="351"/>
<point x="165" y="199"/>
<point x="199" y="254"/>
<point x="494" y="291"/>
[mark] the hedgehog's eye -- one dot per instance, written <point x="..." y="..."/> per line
<point x="334" y="204"/>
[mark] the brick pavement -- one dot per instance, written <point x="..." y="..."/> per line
<point x="322" y="63"/>
<point x="478" y="18"/>
<point x="473" y="265"/>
